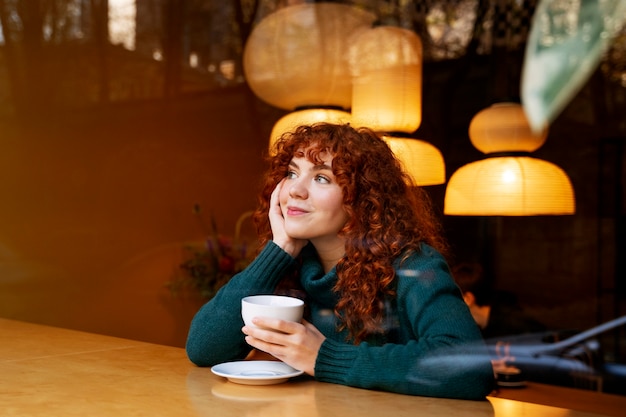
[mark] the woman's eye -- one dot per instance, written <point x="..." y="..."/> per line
<point x="322" y="179"/>
<point x="291" y="174"/>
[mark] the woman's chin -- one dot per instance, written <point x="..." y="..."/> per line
<point x="299" y="235"/>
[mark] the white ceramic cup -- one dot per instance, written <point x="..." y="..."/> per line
<point x="275" y="306"/>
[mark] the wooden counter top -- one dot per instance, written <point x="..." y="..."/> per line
<point x="47" y="371"/>
<point x="569" y="398"/>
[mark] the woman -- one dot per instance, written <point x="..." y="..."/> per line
<point x="338" y="221"/>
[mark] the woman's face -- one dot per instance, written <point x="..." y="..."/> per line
<point x="311" y="201"/>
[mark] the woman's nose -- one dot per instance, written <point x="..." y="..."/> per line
<point x="298" y="189"/>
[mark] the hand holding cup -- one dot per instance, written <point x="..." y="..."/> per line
<point x="274" y="306"/>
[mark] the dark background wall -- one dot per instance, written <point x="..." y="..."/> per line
<point x="98" y="206"/>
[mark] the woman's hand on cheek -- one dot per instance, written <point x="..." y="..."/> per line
<point x="277" y="223"/>
<point x="293" y="343"/>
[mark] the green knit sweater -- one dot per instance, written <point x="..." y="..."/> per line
<point x="431" y="345"/>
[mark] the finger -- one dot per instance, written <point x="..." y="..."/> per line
<point x="277" y="351"/>
<point x="276" y="325"/>
<point x="269" y="341"/>
<point x="274" y="198"/>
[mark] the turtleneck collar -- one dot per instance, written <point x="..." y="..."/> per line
<point x="317" y="284"/>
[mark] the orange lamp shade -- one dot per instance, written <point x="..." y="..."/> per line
<point x="509" y="186"/>
<point x="421" y="160"/>
<point x="296" y="118"/>
<point x="508" y="182"/>
<point x="504" y="127"/>
<point x="386" y="64"/>
<point x="297" y="56"/>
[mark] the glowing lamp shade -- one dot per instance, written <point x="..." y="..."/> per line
<point x="306" y="117"/>
<point x="386" y="64"/>
<point x="504" y="127"/>
<point x="297" y="56"/>
<point x="421" y="160"/>
<point x="509" y="186"/>
<point x="508" y="182"/>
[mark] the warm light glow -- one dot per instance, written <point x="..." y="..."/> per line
<point x="421" y="160"/>
<point x="509" y="186"/>
<point x="504" y="127"/>
<point x="504" y="184"/>
<point x="306" y="117"/>
<point x="193" y="60"/>
<point x="297" y="56"/>
<point x="227" y="69"/>
<point x="388" y="100"/>
<point x="509" y="177"/>
<point x="386" y="64"/>
<point x="122" y="22"/>
<point x="506" y="408"/>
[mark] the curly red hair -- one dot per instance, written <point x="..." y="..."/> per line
<point x="388" y="216"/>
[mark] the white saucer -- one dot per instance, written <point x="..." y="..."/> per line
<point x="256" y="372"/>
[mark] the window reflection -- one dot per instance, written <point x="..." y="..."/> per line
<point x="158" y="48"/>
<point x="122" y="16"/>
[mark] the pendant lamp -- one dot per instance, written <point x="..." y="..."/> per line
<point x="299" y="117"/>
<point x="386" y="64"/>
<point x="421" y="160"/>
<point x="297" y="56"/>
<point x="296" y="59"/>
<point x="508" y="182"/>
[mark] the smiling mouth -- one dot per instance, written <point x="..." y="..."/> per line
<point x="292" y="211"/>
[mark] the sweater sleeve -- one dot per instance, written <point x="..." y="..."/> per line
<point x="215" y="333"/>
<point x="443" y="355"/>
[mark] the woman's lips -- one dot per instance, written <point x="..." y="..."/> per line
<point x="295" y="211"/>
